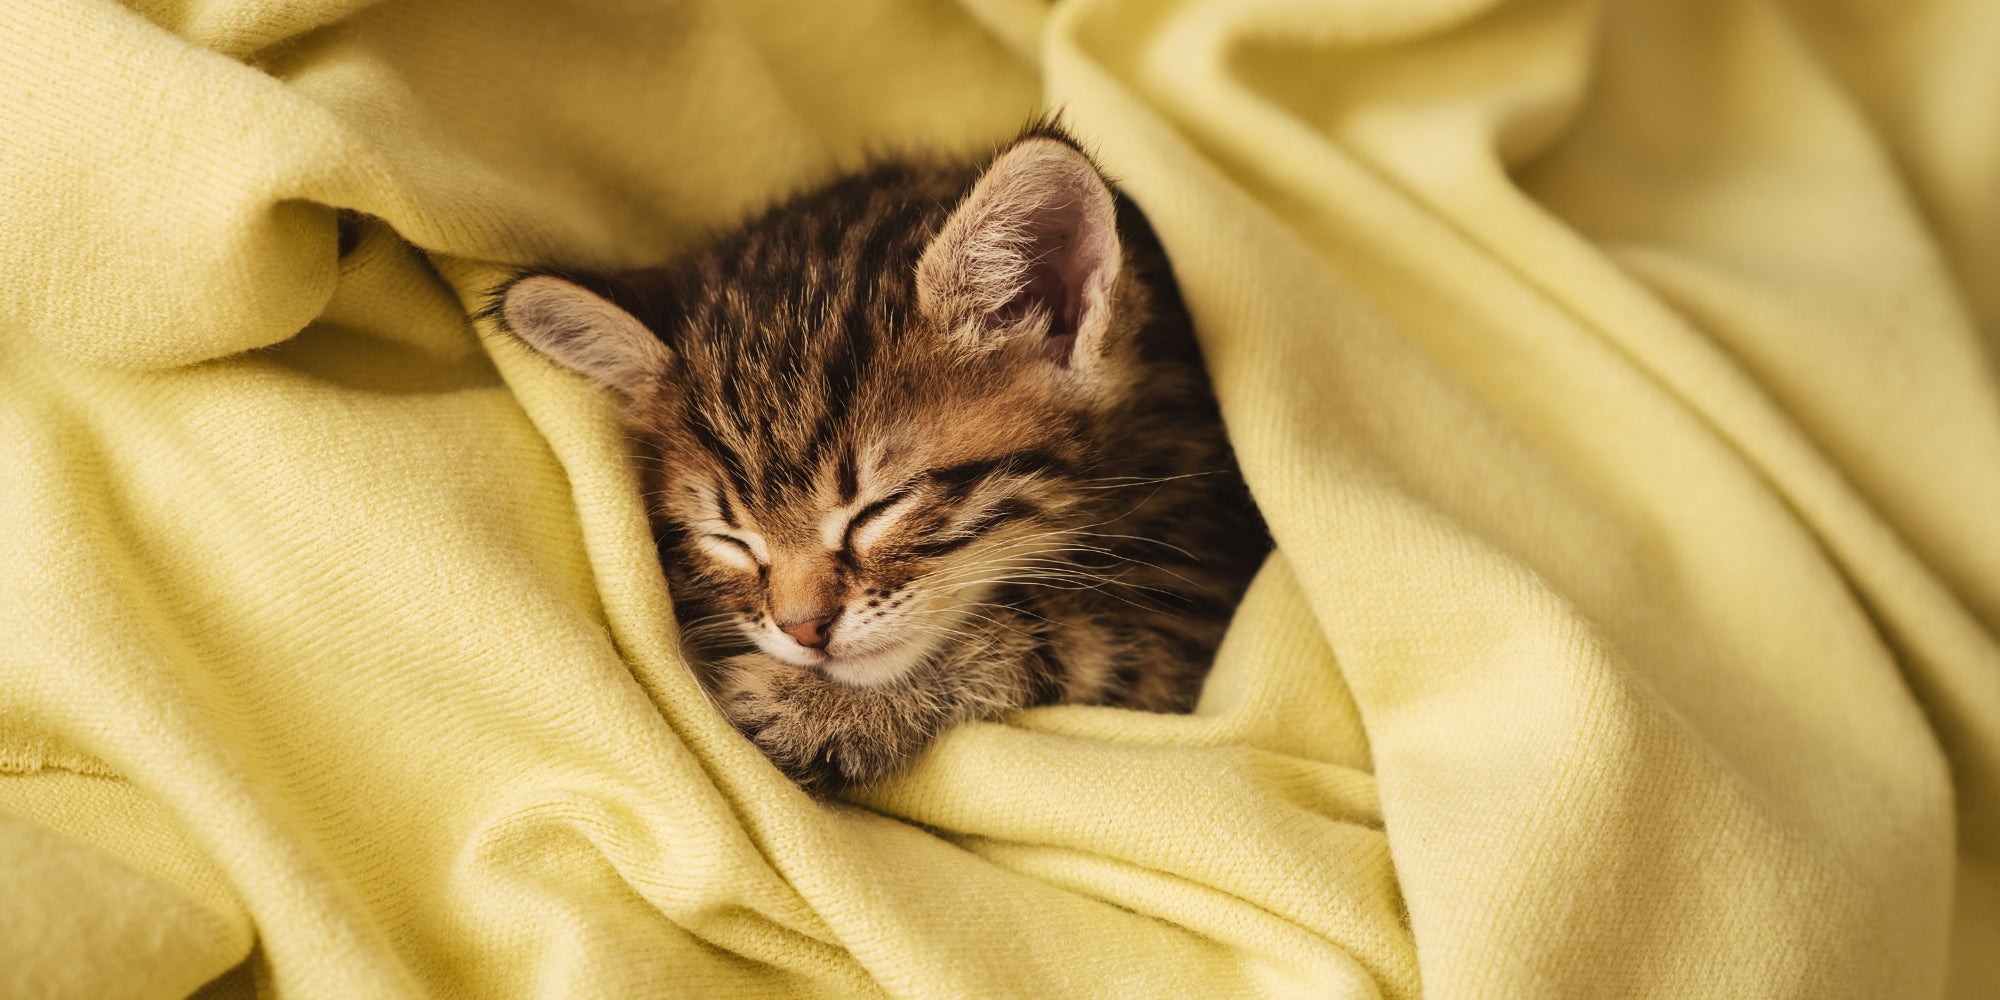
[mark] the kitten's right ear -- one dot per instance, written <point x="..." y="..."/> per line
<point x="1033" y="248"/>
<point x="584" y="332"/>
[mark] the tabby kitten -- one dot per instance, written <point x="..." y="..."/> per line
<point x="925" y="446"/>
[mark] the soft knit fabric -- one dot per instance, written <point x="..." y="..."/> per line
<point x="1618" y="380"/>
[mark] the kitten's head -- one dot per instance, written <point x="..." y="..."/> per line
<point x="871" y="405"/>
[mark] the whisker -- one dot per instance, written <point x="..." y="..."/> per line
<point x="1143" y="480"/>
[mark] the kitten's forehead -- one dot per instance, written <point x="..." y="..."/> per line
<point x="787" y="328"/>
<point x="837" y="262"/>
<point x="807" y="375"/>
<point x="761" y="480"/>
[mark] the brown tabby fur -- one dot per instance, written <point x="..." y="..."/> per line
<point x="1039" y="536"/>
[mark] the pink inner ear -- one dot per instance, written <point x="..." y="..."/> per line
<point x="1065" y="256"/>
<point x="1058" y="293"/>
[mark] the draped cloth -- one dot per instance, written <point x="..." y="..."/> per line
<point x="1618" y="380"/>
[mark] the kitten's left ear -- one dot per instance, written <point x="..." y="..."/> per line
<point x="1032" y="250"/>
<point x="584" y="332"/>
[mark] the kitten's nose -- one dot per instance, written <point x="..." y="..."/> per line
<point x="811" y="633"/>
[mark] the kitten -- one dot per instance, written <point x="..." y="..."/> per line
<point x="928" y="445"/>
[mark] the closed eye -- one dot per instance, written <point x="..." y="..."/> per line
<point x="867" y="515"/>
<point x="738" y="543"/>
<point x="732" y="550"/>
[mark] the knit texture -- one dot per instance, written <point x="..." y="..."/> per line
<point x="1618" y="380"/>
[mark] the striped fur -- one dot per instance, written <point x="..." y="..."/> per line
<point x="999" y="502"/>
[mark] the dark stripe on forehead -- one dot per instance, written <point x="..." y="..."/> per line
<point x="729" y="360"/>
<point x="841" y="380"/>
<point x="732" y="464"/>
<point x="859" y="318"/>
<point x="847" y="480"/>
<point x="722" y="507"/>
<point x="877" y="281"/>
<point x="888" y="225"/>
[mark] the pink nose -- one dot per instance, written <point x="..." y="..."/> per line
<point x="811" y="633"/>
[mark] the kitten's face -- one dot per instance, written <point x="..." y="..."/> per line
<point x="863" y="562"/>
<point x="863" y="410"/>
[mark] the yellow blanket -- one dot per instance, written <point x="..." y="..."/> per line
<point x="1612" y="376"/>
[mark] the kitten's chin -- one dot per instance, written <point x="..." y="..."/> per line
<point x="873" y="668"/>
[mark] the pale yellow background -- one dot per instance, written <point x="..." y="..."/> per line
<point x="1618" y="379"/>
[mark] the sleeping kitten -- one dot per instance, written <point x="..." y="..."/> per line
<point x="925" y="446"/>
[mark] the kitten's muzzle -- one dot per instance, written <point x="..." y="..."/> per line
<point x="812" y="632"/>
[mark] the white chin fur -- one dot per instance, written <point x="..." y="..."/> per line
<point x="885" y="666"/>
<point x="874" y="668"/>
